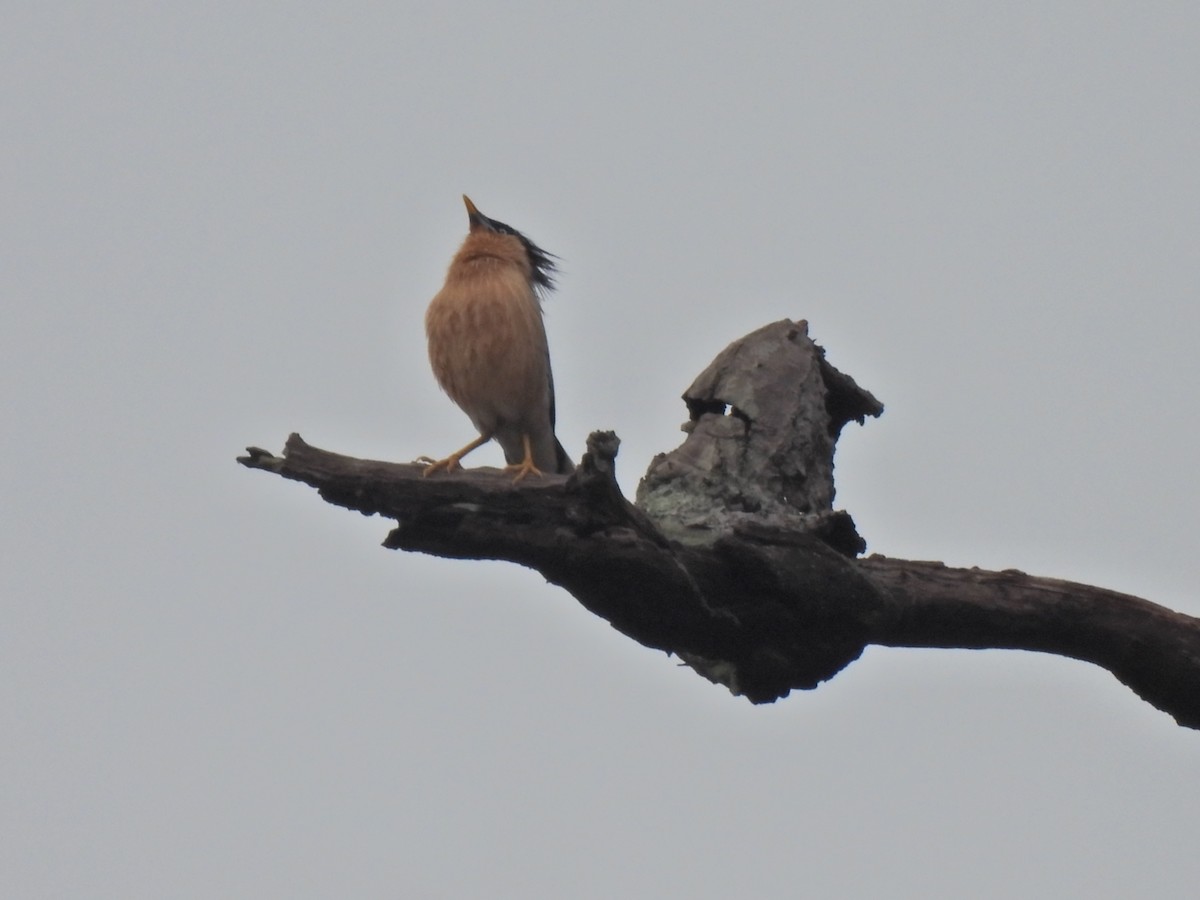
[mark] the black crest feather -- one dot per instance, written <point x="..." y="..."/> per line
<point x="542" y="261"/>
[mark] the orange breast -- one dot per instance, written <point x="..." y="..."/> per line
<point x="487" y="345"/>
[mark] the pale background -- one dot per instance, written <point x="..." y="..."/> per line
<point x="222" y="222"/>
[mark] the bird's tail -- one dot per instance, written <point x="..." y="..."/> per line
<point x="562" y="462"/>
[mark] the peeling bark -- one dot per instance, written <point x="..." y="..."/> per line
<point x="733" y="557"/>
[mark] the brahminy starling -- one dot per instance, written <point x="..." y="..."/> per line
<point x="488" y="348"/>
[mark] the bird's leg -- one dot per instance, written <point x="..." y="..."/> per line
<point x="451" y="462"/>
<point x="525" y="466"/>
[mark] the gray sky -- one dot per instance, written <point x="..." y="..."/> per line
<point x="222" y="223"/>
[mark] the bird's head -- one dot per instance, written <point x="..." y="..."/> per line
<point x="541" y="262"/>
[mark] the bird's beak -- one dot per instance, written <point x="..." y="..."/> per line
<point x="474" y="216"/>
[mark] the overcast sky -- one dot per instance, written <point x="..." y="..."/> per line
<point x="222" y="222"/>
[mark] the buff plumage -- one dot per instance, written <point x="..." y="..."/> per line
<point x="488" y="349"/>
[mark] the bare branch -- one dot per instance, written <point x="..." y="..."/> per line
<point x="734" y="560"/>
<point x="1152" y="649"/>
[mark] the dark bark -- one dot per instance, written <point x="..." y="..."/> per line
<point x="733" y="558"/>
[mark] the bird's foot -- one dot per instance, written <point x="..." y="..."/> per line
<point x="450" y="463"/>
<point x="523" y="468"/>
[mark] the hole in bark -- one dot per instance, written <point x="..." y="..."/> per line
<point x="698" y="408"/>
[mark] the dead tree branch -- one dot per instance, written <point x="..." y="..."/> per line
<point x="734" y="559"/>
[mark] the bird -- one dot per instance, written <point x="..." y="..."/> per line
<point x="488" y="347"/>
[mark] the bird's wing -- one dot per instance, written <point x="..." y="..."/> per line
<point x="550" y="386"/>
<point x="563" y="464"/>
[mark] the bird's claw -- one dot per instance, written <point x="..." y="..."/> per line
<point x="450" y="463"/>
<point x="522" y="469"/>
